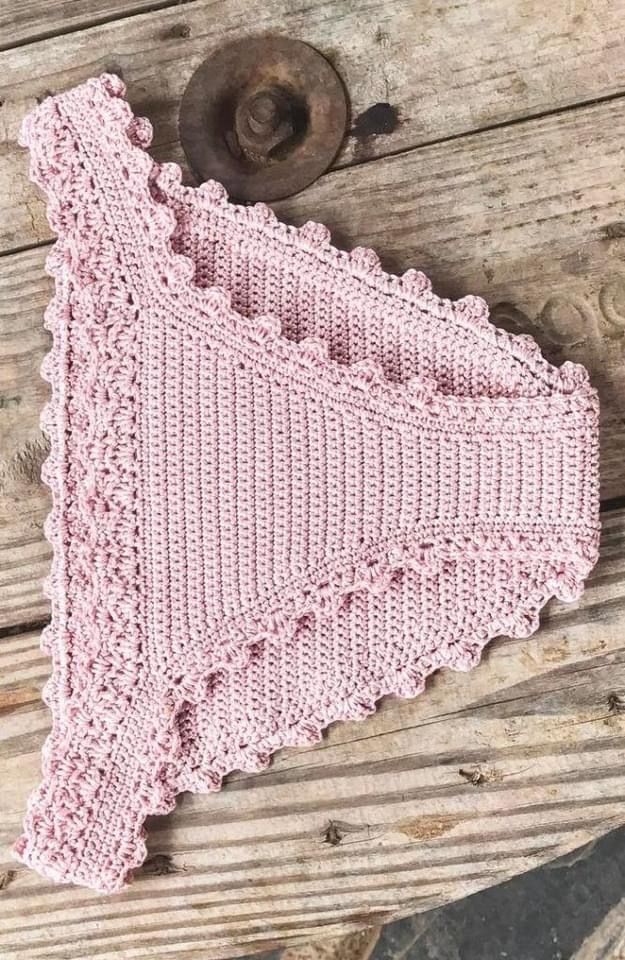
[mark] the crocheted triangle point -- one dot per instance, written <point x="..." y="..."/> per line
<point x="285" y="484"/>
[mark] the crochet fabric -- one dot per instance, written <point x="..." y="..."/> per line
<point x="285" y="483"/>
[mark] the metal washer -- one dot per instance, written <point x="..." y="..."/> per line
<point x="263" y="115"/>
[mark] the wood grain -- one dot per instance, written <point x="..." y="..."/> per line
<point x="378" y="821"/>
<point x="23" y="21"/>
<point x="413" y="75"/>
<point x="251" y="866"/>
<point x="24" y="500"/>
<point x="351" y="946"/>
<point x="514" y="214"/>
<point x="607" y="942"/>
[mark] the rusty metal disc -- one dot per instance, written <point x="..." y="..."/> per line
<point x="264" y="115"/>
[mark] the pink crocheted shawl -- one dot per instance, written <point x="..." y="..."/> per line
<point x="285" y="483"/>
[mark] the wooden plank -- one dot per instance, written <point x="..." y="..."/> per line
<point x="351" y="946"/>
<point x="24" y="500"/>
<point x="514" y="214"/>
<point x="251" y="866"/>
<point x="27" y="20"/>
<point x="413" y="75"/>
<point x="607" y="942"/>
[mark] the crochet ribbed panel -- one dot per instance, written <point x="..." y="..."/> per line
<point x="285" y="483"/>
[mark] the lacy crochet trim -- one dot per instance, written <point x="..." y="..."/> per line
<point x="373" y="574"/>
<point x="419" y="397"/>
<point x="521" y="623"/>
<point x="54" y="172"/>
<point x="176" y="272"/>
<point x="407" y="684"/>
<point x="413" y="286"/>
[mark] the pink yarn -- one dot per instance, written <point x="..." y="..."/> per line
<point x="285" y="483"/>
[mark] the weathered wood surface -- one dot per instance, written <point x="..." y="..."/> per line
<point x="24" y="500"/>
<point x="515" y="214"/>
<point x="23" y="21"/>
<point x="441" y="71"/>
<point x="248" y="867"/>
<point x="357" y="945"/>
<point x="529" y="214"/>
<point x="607" y="942"/>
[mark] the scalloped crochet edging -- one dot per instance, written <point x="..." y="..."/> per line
<point x="520" y="624"/>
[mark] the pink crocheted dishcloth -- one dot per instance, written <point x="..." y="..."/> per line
<point x="285" y="483"/>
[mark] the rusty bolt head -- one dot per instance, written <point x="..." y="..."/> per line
<point x="264" y="111"/>
<point x="263" y="122"/>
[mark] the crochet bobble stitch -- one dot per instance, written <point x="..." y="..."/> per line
<point x="285" y="483"/>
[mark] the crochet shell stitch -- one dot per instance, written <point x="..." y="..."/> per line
<point x="285" y="483"/>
